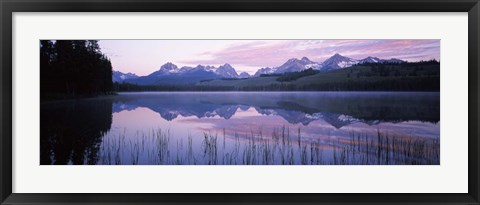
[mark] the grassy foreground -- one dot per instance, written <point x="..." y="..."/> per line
<point x="280" y="147"/>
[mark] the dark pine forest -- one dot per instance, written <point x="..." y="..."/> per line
<point x="73" y="69"/>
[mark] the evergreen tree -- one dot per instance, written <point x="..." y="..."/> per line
<point x="73" y="68"/>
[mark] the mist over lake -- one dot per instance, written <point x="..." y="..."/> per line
<point x="243" y="128"/>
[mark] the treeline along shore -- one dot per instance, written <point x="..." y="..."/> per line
<point x="73" y="69"/>
<point x="406" y="76"/>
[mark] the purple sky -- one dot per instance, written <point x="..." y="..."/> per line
<point x="146" y="56"/>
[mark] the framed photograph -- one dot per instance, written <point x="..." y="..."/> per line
<point x="260" y="102"/>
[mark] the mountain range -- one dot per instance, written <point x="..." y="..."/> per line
<point x="118" y="76"/>
<point x="171" y="74"/>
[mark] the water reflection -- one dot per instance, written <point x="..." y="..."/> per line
<point x="337" y="108"/>
<point x="71" y="132"/>
<point x="243" y="128"/>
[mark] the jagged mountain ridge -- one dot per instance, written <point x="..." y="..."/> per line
<point x="118" y="76"/>
<point x="336" y="61"/>
<point x="171" y="74"/>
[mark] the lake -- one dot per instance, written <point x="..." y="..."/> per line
<point x="243" y="128"/>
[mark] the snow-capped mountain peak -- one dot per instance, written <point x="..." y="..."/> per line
<point x="370" y="59"/>
<point x="226" y="71"/>
<point x="266" y="70"/>
<point x="169" y="68"/>
<point x="296" y="65"/>
<point x="337" y="61"/>
<point x="199" y="67"/>
<point x="338" y="57"/>
<point x="244" y="75"/>
<point x="185" y="69"/>
<point x="394" y="60"/>
<point x="305" y="59"/>
<point x="118" y="76"/>
<point x="291" y="60"/>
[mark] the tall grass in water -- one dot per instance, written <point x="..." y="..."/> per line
<point x="209" y="146"/>
<point x="279" y="147"/>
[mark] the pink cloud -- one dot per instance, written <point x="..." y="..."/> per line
<point x="263" y="53"/>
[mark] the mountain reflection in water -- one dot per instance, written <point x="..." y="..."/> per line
<point x="212" y="127"/>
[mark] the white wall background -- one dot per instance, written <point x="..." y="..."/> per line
<point x="450" y="176"/>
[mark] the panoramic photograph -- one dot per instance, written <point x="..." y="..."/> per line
<point x="240" y="102"/>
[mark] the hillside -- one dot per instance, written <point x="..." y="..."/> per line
<point x="421" y="76"/>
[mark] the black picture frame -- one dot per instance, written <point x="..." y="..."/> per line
<point x="7" y="7"/>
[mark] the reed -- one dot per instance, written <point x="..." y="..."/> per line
<point x="276" y="148"/>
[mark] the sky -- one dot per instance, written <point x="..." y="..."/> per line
<point x="143" y="57"/>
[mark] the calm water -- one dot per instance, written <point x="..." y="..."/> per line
<point x="243" y="128"/>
